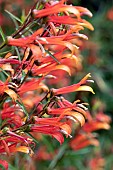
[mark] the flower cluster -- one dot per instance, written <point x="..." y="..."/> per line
<point x="28" y="105"/>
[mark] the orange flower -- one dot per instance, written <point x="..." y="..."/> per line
<point x="55" y="123"/>
<point x="24" y="149"/>
<point x="47" y="68"/>
<point x="75" y="87"/>
<point x="59" y="7"/>
<point x="50" y="130"/>
<point x="110" y="14"/>
<point x="31" y="85"/>
<point x="54" y="9"/>
<point x="15" y="143"/>
<point x="83" y="140"/>
<point x="5" y="89"/>
<point x="10" y="116"/>
<point x="71" y="21"/>
<point x="97" y="163"/>
<point x="23" y="42"/>
<point x="95" y="125"/>
<point x="85" y="136"/>
<point x="102" y="117"/>
<point x="69" y="112"/>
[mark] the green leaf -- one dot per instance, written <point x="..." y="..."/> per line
<point x="23" y="107"/>
<point x="2" y="167"/>
<point x="11" y="167"/>
<point x="14" y="18"/>
<point x="46" y="142"/>
<point x="23" y="17"/>
<point x="23" y="76"/>
<point x="5" y="52"/>
<point x="18" y="53"/>
<point x="35" y="140"/>
<point x="2" y="34"/>
<point x="83" y="151"/>
<point x="52" y="56"/>
<point x="4" y="72"/>
<point x="60" y="154"/>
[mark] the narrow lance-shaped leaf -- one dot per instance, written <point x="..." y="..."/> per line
<point x="52" y="56"/>
<point x="2" y="34"/>
<point x="14" y="17"/>
<point x="23" y="108"/>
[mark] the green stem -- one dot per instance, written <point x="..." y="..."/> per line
<point x="3" y="45"/>
<point x="60" y="154"/>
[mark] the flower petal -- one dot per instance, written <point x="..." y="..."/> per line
<point x="58" y="136"/>
<point x="64" y="67"/>
<point x="24" y="149"/>
<point x="11" y="93"/>
<point x="95" y="125"/>
<point x="85" y="88"/>
<point x="55" y="9"/>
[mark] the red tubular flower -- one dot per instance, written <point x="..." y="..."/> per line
<point x="15" y="147"/>
<point x="97" y="163"/>
<point x="23" y="42"/>
<point x="95" y="125"/>
<point x="5" y="89"/>
<point x="56" y="9"/>
<point x="56" y="41"/>
<point x="9" y="114"/>
<point x="101" y="121"/>
<point x="31" y="85"/>
<point x="11" y="61"/>
<point x="71" y="21"/>
<point x="101" y="117"/>
<point x="66" y="105"/>
<point x="45" y="69"/>
<point x="82" y="141"/>
<point x="5" y="147"/>
<point x="55" y="123"/>
<point x="50" y="130"/>
<point x="75" y="87"/>
<point x="71" y="113"/>
<point x="59" y="7"/>
<point x="11" y="142"/>
<point x="85" y="136"/>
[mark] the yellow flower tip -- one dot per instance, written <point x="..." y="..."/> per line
<point x="106" y="126"/>
<point x="65" y="68"/>
<point x="88" y="75"/>
<point x="93" y="92"/>
<point x="85" y="78"/>
<point x="11" y="93"/>
<point x="79" y="118"/>
<point x="24" y="149"/>
<point x="85" y="88"/>
<point x="92" y="28"/>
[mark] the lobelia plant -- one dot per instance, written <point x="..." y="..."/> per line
<point x="47" y="41"/>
